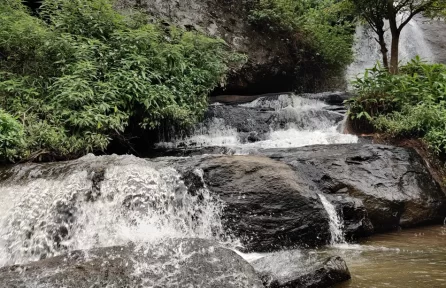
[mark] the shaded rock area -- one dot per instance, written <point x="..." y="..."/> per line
<point x="293" y="269"/>
<point x="276" y="61"/>
<point x="173" y="263"/>
<point x="392" y="183"/>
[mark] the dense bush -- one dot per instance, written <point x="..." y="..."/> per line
<point x="323" y="27"/>
<point x="81" y="73"/>
<point x="11" y="136"/>
<point x="410" y="104"/>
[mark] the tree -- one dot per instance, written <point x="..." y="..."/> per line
<point x="398" y="13"/>
<point x="372" y="12"/>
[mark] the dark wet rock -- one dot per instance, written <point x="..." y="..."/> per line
<point x="172" y="263"/>
<point x="331" y="98"/>
<point x="241" y="118"/>
<point x="356" y="219"/>
<point x="267" y="204"/>
<point x="295" y="269"/>
<point x="242" y="99"/>
<point x="393" y="183"/>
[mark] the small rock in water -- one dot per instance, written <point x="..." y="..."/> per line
<point x="292" y="269"/>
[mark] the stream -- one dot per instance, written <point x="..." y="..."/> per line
<point x="409" y="258"/>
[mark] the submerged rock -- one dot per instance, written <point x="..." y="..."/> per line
<point x="173" y="263"/>
<point x="294" y="269"/>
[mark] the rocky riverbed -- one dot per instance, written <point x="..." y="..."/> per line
<point x="246" y="213"/>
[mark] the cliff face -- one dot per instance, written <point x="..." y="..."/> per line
<point x="272" y="57"/>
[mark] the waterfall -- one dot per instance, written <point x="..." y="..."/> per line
<point x="284" y="121"/>
<point x="98" y="202"/>
<point x="336" y="222"/>
<point x="367" y="51"/>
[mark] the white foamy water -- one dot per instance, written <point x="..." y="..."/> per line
<point x="136" y="201"/>
<point x="297" y="122"/>
<point x="368" y="52"/>
<point x="336" y="222"/>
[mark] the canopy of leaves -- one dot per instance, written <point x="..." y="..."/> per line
<point x="81" y="73"/>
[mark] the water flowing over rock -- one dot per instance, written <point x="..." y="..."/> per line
<point x="412" y="43"/>
<point x="280" y="121"/>
<point x="296" y="269"/>
<point x="336" y="222"/>
<point x="434" y="32"/>
<point x="49" y="209"/>
<point x="172" y="263"/>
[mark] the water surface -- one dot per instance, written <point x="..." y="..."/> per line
<point x="414" y="258"/>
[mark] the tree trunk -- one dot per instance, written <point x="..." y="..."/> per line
<point x="384" y="50"/>
<point x="394" y="51"/>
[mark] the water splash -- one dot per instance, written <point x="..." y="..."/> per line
<point x="336" y="222"/>
<point x="135" y="201"/>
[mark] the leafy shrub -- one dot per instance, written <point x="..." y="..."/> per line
<point x="11" y="136"/>
<point x="84" y="74"/>
<point x="410" y="104"/>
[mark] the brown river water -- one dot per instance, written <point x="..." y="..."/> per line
<point x="412" y="258"/>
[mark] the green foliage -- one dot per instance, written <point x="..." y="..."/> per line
<point x="82" y="74"/>
<point x="410" y="104"/>
<point x="11" y="136"/>
<point x="322" y="26"/>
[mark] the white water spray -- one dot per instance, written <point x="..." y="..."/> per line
<point x="136" y="201"/>
<point x="336" y="222"/>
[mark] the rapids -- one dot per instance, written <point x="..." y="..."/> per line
<point x="294" y="121"/>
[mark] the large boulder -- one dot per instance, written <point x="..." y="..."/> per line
<point x="295" y="269"/>
<point x="173" y="263"/>
<point x="393" y="183"/>
<point x="267" y="204"/>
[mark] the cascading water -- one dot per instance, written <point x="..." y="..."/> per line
<point x="368" y="53"/>
<point x="99" y="202"/>
<point x="286" y="121"/>
<point x="336" y="222"/>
